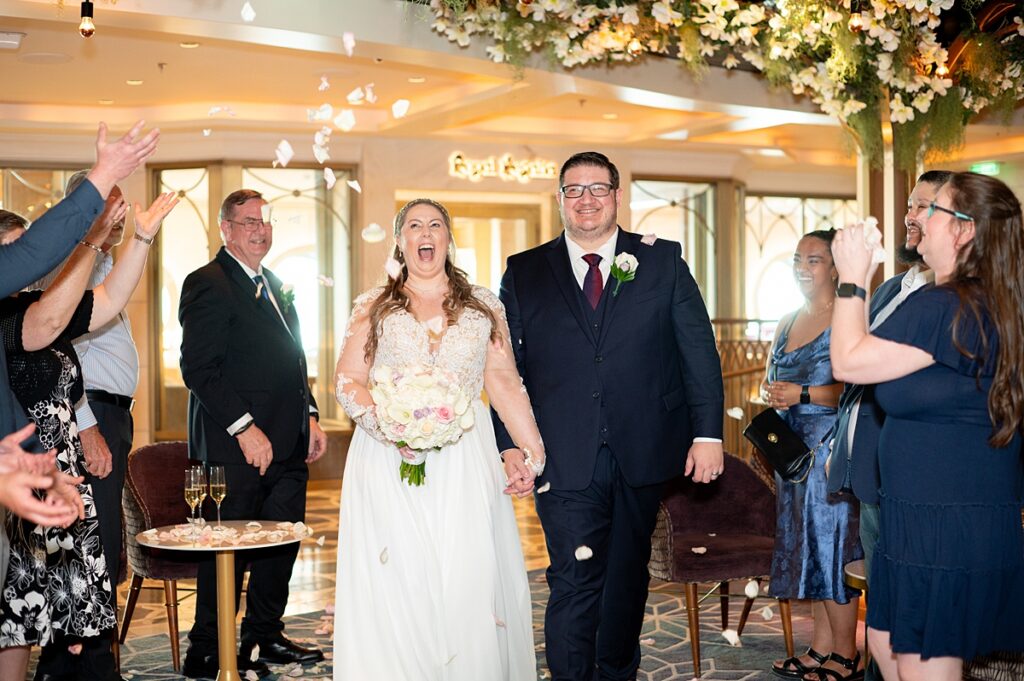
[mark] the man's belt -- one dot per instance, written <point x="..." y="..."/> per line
<point x="110" y="398"/>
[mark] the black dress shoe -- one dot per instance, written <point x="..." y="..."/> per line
<point x="208" y="666"/>
<point x="281" y="651"/>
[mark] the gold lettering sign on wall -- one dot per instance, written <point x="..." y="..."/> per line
<point x="505" y="167"/>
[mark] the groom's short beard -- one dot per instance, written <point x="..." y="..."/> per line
<point x="908" y="255"/>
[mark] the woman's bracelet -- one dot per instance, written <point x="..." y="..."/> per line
<point x="94" y="247"/>
<point x="148" y="240"/>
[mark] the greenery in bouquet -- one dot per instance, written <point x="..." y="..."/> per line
<point x="422" y="409"/>
<point x="871" y="64"/>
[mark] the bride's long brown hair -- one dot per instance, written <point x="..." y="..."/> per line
<point x="393" y="298"/>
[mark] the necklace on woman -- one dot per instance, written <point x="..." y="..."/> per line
<point x="807" y="309"/>
<point x="417" y="289"/>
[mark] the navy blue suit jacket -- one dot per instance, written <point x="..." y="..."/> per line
<point x="644" y="383"/>
<point x="34" y="255"/>
<point x="237" y="357"/>
<point x="854" y="465"/>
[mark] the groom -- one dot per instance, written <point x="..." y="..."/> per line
<point x="626" y="386"/>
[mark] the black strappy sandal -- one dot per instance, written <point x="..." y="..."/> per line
<point x="794" y="668"/>
<point x="826" y="674"/>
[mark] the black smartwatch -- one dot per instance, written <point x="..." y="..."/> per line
<point x="851" y="290"/>
<point x="805" y="392"/>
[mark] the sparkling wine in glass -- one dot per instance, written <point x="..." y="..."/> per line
<point x="218" y="488"/>
<point x="200" y="484"/>
<point x="192" y="497"/>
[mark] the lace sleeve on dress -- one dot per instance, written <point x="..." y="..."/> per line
<point x="504" y="385"/>
<point x="353" y="372"/>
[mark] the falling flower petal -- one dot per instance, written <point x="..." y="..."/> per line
<point x="732" y="637"/>
<point x="321" y="138"/>
<point x="766" y="612"/>
<point x="345" y="120"/>
<point x="355" y="97"/>
<point x="321" y="113"/>
<point x="499" y="622"/>
<point x="75" y="649"/>
<point x="649" y="239"/>
<point x="435" y="325"/>
<point x="751" y="589"/>
<point x="400" y="108"/>
<point x="284" y="153"/>
<point x="393" y="268"/>
<point x="214" y="110"/>
<point x="355" y="186"/>
<point x="584" y="552"/>
<point x="207" y="132"/>
<point x="699" y="550"/>
<point x="544" y="488"/>
<point x="349" y="41"/>
<point x="735" y="413"/>
<point x="254" y="655"/>
<point x="324" y="84"/>
<point x="712" y="534"/>
<point x="384" y="556"/>
<point x="248" y="13"/>
<point x="251" y="675"/>
<point x="647" y="641"/>
<point x="320" y="154"/>
<point x="325" y="280"/>
<point x="370" y="96"/>
<point x="329" y="178"/>
<point x="374" y="233"/>
<point x="320" y="540"/>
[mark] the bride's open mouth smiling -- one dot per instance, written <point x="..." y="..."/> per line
<point x="425" y="253"/>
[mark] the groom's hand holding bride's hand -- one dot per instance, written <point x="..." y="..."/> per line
<point x="520" y="477"/>
<point x="256" y="448"/>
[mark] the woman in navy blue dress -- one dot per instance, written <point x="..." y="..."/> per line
<point x="948" y="575"/>
<point x="816" y="532"/>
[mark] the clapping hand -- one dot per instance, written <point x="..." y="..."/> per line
<point x="147" y="222"/>
<point x="119" y="159"/>
<point x="113" y="214"/>
<point x="851" y="254"/>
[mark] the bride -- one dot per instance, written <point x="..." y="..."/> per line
<point x="431" y="583"/>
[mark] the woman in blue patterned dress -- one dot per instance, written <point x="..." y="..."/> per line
<point x="816" y="532"/>
<point x="947" y="580"/>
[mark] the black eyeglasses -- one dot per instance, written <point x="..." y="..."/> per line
<point x="597" y="190"/>
<point x="251" y="224"/>
<point x="932" y="207"/>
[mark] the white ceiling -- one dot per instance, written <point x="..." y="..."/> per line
<point x="268" y="72"/>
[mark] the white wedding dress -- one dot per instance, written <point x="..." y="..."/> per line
<point x="431" y="582"/>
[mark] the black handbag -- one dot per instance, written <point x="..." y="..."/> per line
<point x="786" y="451"/>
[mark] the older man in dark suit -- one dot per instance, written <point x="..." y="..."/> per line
<point x="251" y="411"/>
<point x="616" y="350"/>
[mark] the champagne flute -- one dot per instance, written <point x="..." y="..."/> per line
<point x="191" y="493"/>
<point x="200" y="484"/>
<point x="218" y="489"/>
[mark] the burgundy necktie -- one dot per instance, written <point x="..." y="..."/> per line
<point x="593" y="285"/>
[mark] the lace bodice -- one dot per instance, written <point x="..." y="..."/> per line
<point x="462" y="349"/>
<point x="465" y="349"/>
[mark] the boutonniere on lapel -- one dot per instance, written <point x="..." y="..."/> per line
<point x="624" y="269"/>
<point x="287" y="297"/>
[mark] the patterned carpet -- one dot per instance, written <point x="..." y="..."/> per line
<point x="665" y="641"/>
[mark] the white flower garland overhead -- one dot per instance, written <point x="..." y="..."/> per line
<point x="854" y="59"/>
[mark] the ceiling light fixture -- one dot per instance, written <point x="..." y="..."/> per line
<point x="105" y="102"/>
<point x="188" y="44"/>
<point x="610" y="116"/>
<point x="10" y="40"/>
<point x="133" y="81"/>
<point x="86" y="27"/>
<point x="416" y="80"/>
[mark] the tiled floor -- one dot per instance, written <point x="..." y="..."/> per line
<point x="312" y="583"/>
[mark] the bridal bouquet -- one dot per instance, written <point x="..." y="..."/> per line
<point x="422" y="408"/>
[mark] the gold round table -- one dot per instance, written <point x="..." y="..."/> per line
<point x="237" y="535"/>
